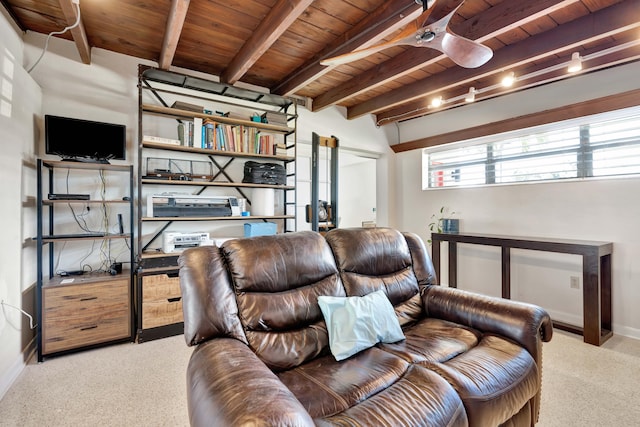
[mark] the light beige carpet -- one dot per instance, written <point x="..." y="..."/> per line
<point x="144" y="385"/>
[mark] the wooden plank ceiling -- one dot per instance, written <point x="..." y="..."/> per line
<point x="277" y="44"/>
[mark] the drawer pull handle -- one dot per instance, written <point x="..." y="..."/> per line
<point x="173" y="274"/>
<point x="88" y="298"/>
<point x="176" y="299"/>
<point x="89" y="327"/>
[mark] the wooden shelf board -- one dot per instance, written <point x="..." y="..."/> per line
<point x="214" y="184"/>
<point x="84" y="165"/>
<point x="83" y="279"/>
<point x="216" y="218"/>
<point x="94" y="201"/>
<point x="157" y="109"/>
<point x="48" y="239"/>
<point x="182" y="148"/>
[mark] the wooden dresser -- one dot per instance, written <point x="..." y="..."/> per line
<point x="158" y="297"/>
<point x="80" y="311"/>
<point x="161" y="301"/>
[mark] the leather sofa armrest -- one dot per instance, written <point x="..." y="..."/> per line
<point x="523" y="323"/>
<point x="228" y="385"/>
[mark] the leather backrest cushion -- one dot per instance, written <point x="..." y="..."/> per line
<point x="422" y="265"/>
<point x="277" y="280"/>
<point x="208" y="301"/>
<point x="370" y="259"/>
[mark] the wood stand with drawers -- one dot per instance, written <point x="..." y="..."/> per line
<point x="159" y="301"/>
<point x="85" y="310"/>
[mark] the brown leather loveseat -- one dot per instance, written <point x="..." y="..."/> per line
<point x="263" y="354"/>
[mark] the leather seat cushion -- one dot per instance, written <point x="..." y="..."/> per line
<point x="495" y="379"/>
<point x="433" y="340"/>
<point x="326" y="387"/>
<point x="418" y="398"/>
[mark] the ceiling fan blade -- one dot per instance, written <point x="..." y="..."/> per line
<point x="405" y="37"/>
<point x="356" y="54"/>
<point x="434" y="34"/>
<point x="464" y="52"/>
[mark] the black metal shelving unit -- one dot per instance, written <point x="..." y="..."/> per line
<point x="47" y="238"/>
<point x="163" y="85"/>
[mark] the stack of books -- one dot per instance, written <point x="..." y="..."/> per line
<point x="280" y="149"/>
<point x="151" y="138"/>
<point x="275" y="118"/>
<point x="186" y="106"/>
<point x="237" y="116"/>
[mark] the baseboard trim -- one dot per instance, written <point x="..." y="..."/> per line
<point x="572" y="319"/>
<point x="568" y="318"/>
<point x="626" y="331"/>
<point x="10" y="377"/>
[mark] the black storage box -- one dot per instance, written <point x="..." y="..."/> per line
<point x="264" y="173"/>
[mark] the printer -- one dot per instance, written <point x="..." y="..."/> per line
<point x="176" y="241"/>
<point x="191" y="205"/>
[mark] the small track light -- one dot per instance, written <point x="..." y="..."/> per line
<point x="471" y="95"/>
<point x="575" y="64"/>
<point x="509" y="79"/>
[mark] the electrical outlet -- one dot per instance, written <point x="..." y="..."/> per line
<point x="574" y="282"/>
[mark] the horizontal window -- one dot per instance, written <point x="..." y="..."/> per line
<point x="598" y="146"/>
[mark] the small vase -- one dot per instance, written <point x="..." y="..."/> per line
<point x="450" y="225"/>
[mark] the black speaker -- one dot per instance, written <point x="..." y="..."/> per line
<point x="120" y="225"/>
<point x="116" y="268"/>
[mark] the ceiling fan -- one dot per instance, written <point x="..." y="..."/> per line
<point x="430" y="29"/>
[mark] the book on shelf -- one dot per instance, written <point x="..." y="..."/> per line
<point x="151" y="138"/>
<point x="209" y="140"/>
<point x="197" y="132"/>
<point x="183" y="135"/>
<point x="209" y="134"/>
<point x="190" y="134"/>
<point x="187" y="106"/>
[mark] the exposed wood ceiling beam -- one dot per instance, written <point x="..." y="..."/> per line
<point x="279" y="18"/>
<point x="175" y="22"/>
<point x="497" y="20"/>
<point x="79" y="35"/>
<point x="604" y="23"/>
<point x="13" y="15"/>
<point x="420" y="107"/>
<point x="394" y="15"/>
<point x="580" y="109"/>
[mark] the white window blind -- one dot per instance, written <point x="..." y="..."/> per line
<point x="604" y="145"/>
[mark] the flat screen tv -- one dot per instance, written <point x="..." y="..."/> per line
<point x="84" y="140"/>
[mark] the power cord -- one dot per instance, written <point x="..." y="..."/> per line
<point x="31" y="325"/>
<point x="46" y="44"/>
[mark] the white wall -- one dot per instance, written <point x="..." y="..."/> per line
<point x="20" y="122"/>
<point x="606" y="210"/>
